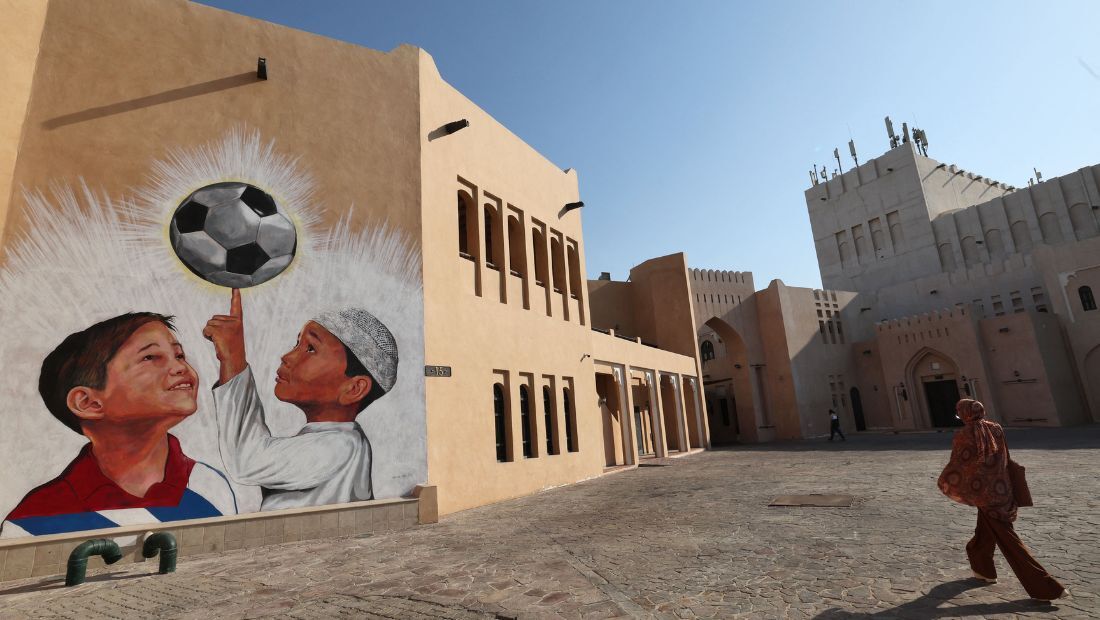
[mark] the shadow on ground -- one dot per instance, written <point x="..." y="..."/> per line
<point x="929" y="605"/>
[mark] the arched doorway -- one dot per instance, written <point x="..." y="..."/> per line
<point x="934" y="377"/>
<point x="857" y="409"/>
<point x="732" y="414"/>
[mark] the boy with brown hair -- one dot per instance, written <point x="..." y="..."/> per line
<point x="122" y="383"/>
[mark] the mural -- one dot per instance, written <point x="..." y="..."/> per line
<point x="161" y="349"/>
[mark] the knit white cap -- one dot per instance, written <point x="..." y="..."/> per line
<point x="370" y="341"/>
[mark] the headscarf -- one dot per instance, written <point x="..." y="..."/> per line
<point x="977" y="474"/>
<point x="972" y="413"/>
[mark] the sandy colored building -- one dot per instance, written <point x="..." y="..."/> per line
<point x="941" y="284"/>
<point x="148" y="149"/>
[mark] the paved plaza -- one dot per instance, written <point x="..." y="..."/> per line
<point x="694" y="538"/>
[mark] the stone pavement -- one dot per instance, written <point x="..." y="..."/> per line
<point x="693" y="539"/>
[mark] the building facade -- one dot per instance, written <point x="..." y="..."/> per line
<point x="941" y="284"/>
<point x="367" y="212"/>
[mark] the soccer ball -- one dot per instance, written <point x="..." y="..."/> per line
<point x="233" y="234"/>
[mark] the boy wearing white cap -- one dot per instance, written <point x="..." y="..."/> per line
<point x="343" y="361"/>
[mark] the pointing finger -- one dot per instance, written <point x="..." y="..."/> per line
<point x="235" y="309"/>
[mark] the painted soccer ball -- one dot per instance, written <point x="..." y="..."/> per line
<point x="233" y="234"/>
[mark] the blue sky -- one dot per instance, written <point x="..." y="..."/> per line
<point x="693" y="125"/>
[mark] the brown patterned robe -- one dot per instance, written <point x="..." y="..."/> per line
<point x="977" y="474"/>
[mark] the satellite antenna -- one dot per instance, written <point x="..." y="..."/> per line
<point x="890" y="132"/>
<point x="905" y="133"/>
<point x="1038" y="176"/>
<point x="852" y="150"/>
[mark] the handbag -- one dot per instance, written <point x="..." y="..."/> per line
<point x="1020" y="491"/>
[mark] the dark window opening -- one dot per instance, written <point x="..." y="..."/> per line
<point x="570" y="430"/>
<point x="525" y="421"/>
<point x="548" y="414"/>
<point x="498" y="418"/>
<point x="706" y="350"/>
<point x="1088" y="302"/>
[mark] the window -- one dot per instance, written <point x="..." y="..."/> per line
<point x="1088" y="302"/>
<point x="548" y="413"/>
<point x="493" y="241"/>
<point x="525" y="421"/>
<point x="463" y="242"/>
<point x="538" y="245"/>
<point x="498" y="418"/>
<point x="570" y="430"/>
<point x="517" y="259"/>
<point x="706" y="350"/>
<point x="557" y="259"/>
<point x="574" y="272"/>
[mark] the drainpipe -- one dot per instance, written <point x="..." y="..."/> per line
<point x="164" y="542"/>
<point x="78" y="559"/>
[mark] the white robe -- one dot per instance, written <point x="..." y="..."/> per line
<point x="325" y="463"/>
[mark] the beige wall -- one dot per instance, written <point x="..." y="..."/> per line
<point x="492" y="335"/>
<point x="106" y="121"/>
<point x="21" y="31"/>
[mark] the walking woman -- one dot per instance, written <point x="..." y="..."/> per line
<point x="977" y="475"/>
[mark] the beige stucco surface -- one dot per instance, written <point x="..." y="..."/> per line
<point x="20" y="30"/>
<point x="492" y="337"/>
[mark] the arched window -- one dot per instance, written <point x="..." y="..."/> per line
<point x="574" y="272"/>
<point x="538" y="245"/>
<point x="1021" y="236"/>
<point x="492" y="230"/>
<point x="517" y="249"/>
<point x="706" y="350"/>
<point x="463" y="243"/>
<point x="465" y="225"/>
<point x="499" y="420"/>
<point x="557" y="259"/>
<point x="947" y="257"/>
<point x="570" y="423"/>
<point x="1088" y="302"/>
<point x="525" y="421"/>
<point x="548" y="413"/>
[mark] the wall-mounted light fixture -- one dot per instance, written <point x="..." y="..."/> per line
<point x="966" y="385"/>
<point x="1004" y="330"/>
<point x="737" y="366"/>
<point x="901" y="392"/>
<point x="454" y="126"/>
<point x="261" y="68"/>
<point x="572" y="205"/>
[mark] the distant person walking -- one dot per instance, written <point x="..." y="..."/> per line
<point x="834" y="426"/>
<point x="977" y="475"/>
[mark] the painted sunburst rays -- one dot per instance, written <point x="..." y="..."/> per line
<point x="242" y="156"/>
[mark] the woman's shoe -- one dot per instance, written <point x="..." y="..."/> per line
<point x="1064" y="594"/>
<point x="983" y="577"/>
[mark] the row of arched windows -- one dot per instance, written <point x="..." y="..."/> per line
<point x="527" y="428"/>
<point x="561" y="269"/>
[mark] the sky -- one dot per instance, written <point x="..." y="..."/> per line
<point x="693" y="125"/>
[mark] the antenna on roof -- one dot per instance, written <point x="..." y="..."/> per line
<point x="905" y="133"/>
<point x="852" y="150"/>
<point x="836" y="154"/>
<point x="890" y="132"/>
<point x="922" y="141"/>
<point x="1038" y="176"/>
